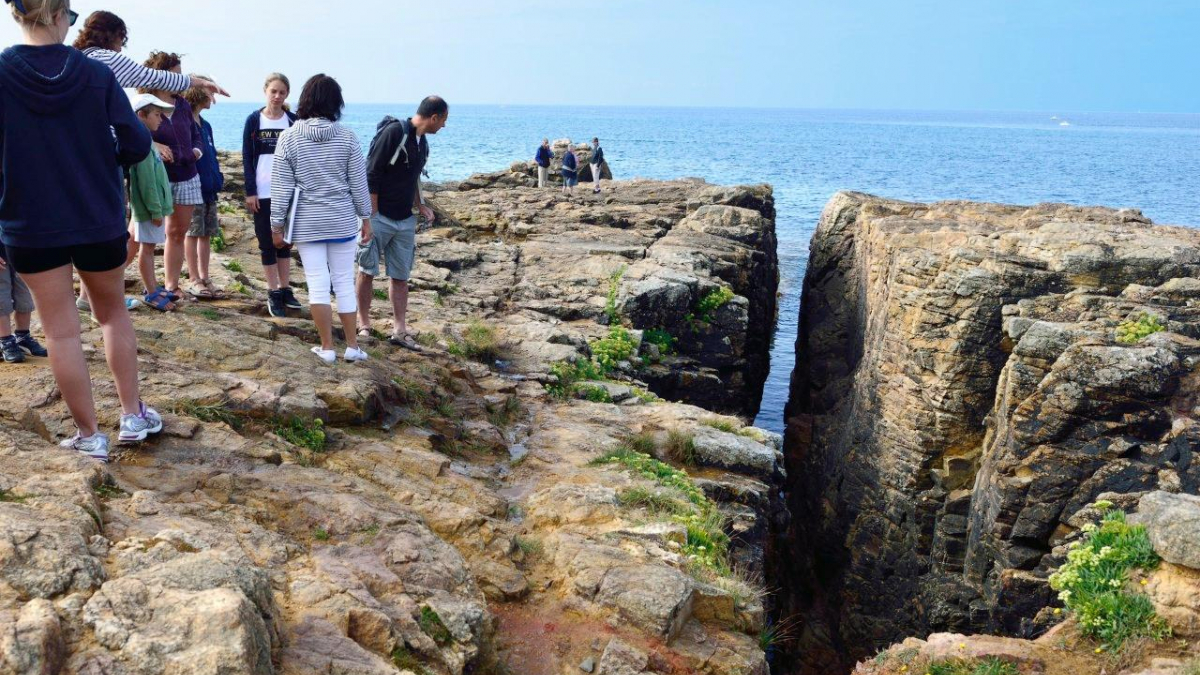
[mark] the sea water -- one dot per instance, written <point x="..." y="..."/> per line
<point x="1146" y="161"/>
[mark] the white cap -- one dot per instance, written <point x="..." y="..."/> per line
<point x="139" y="101"/>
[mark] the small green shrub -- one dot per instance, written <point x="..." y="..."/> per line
<point x="431" y="624"/>
<point x="664" y="340"/>
<point x="570" y="373"/>
<point x="217" y="241"/>
<point x="706" y="308"/>
<point x="239" y="287"/>
<point x="1133" y="332"/>
<point x="210" y="314"/>
<point x="308" y="434"/>
<point x="609" y="351"/>
<point x="681" y="447"/>
<point x="426" y="339"/>
<point x="986" y="666"/>
<point x="594" y="393"/>
<point x="321" y="534"/>
<point x="234" y="266"/>
<point x="1092" y="582"/>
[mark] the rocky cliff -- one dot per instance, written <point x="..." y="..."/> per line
<point x="437" y="513"/>
<point x="969" y="377"/>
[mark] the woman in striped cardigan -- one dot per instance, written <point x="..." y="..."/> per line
<point x="320" y="203"/>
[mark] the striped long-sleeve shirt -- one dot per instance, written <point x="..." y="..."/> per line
<point x="131" y="74"/>
<point x="325" y="161"/>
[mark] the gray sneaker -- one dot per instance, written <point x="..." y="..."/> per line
<point x="95" y="447"/>
<point x="135" y="428"/>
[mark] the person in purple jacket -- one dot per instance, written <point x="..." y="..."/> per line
<point x="182" y="136"/>
<point x="66" y="130"/>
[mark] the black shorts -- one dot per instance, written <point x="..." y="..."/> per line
<point x="262" y="230"/>
<point x="99" y="257"/>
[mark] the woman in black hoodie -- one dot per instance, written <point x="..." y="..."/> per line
<point x="66" y="129"/>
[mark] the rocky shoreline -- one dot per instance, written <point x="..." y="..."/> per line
<point x="964" y="395"/>
<point x="461" y="510"/>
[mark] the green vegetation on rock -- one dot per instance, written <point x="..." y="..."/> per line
<point x="478" y="343"/>
<point x="1133" y="332"/>
<point x="304" y="433"/>
<point x="431" y="624"/>
<point x="1092" y="583"/>
<point x="986" y="666"/>
<point x="706" y="308"/>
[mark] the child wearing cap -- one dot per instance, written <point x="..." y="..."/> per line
<point x="150" y="196"/>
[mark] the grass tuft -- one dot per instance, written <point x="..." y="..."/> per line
<point x="680" y="447"/>
<point x="431" y="624"/>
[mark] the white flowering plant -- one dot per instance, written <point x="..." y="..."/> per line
<point x="1092" y="582"/>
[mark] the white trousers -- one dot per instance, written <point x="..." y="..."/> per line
<point x="543" y="175"/>
<point x="596" y="175"/>
<point x="330" y="266"/>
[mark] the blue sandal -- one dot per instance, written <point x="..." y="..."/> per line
<point x="160" y="300"/>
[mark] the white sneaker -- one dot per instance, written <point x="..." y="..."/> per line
<point x="326" y="355"/>
<point x="353" y="354"/>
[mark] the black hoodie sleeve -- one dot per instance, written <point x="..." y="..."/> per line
<point x="381" y="154"/>
<point x="133" y="139"/>
<point x="249" y="160"/>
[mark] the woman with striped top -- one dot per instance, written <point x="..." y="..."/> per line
<point x="320" y="202"/>
<point x="103" y="37"/>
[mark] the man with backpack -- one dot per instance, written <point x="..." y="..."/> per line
<point x="597" y="162"/>
<point x="394" y="165"/>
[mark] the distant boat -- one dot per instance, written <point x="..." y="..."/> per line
<point x="1054" y="117"/>
<point x="1064" y="123"/>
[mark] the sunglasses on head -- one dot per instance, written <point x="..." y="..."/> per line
<point x="72" y="15"/>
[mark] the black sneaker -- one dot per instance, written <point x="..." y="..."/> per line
<point x="28" y="343"/>
<point x="289" y="299"/>
<point x="275" y="304"/>
<point x="12" y="353"/>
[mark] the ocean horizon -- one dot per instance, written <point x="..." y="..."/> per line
<point x="1135" y="160"/>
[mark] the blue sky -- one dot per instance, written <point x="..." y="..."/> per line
<point x="1052" y="55"/>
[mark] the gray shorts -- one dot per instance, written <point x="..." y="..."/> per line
<point x="187" y="193"/>
<point x="396" y="240"/>
<point x="14" y="294"/>
<point x="146" y="232"/>
<point x="204" y="221"/>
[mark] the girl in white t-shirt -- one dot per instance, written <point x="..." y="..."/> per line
<point x="263" y="128"/>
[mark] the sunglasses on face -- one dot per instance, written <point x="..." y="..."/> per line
<point x="72" y="17"/>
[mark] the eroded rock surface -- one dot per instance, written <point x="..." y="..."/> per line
<point x="961" y="395"/>
<point x="418" y="513"/>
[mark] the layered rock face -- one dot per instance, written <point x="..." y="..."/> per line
<point x="960" y="394"/>
<point x="660" y="255"/>
<point x="416" y="513"/>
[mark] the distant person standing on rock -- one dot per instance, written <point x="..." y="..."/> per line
<point x="570" y="171"/>
<point x="394" y="166"/>
<point x="597" y="163"/>
<point x="259" y="138"/>
<point x="543" y="162"/>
